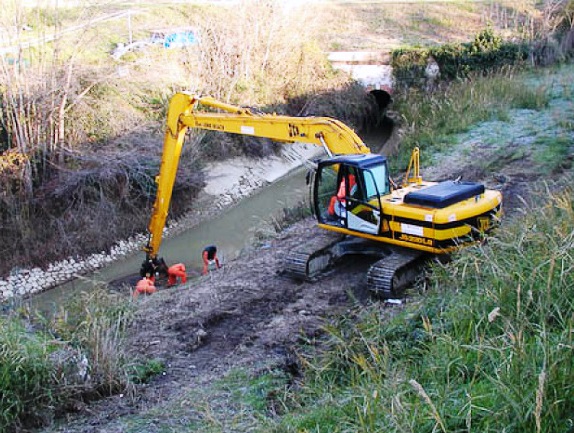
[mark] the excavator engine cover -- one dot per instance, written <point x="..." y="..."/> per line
<point x="444" y="194"/>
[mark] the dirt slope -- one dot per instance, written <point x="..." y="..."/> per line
<point x="245" y="314"/>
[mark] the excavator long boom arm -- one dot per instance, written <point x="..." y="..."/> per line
<point x="183" y="113"/>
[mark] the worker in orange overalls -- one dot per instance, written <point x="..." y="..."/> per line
<point x="145" y="286"/>
<point x="338" y="200"/>
<point x="209" y="256"/>
<point x="174" y="272"/>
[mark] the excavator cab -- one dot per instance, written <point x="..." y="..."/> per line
<point x="348" y="190"/>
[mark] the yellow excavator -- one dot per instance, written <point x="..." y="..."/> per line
<point x="359" y="209"/>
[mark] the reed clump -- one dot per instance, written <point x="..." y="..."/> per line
<point x="50" y="364"/>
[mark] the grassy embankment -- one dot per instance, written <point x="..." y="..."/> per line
<point x="487" y="347"/>
<point x="48" y="366"/>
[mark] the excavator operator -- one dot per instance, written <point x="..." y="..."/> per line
<point x="338" y="202"/>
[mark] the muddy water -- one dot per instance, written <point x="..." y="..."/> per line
<point x="232" y="232"/>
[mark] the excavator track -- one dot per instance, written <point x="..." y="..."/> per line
<point x="310" y="260"/>
<point x="388" y="277"/>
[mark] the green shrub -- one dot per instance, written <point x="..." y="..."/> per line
<point x="144" y="371"/>
<point x="409" y="66"/>
<point x="26" y="375"/>
<point x="486" y="54"/>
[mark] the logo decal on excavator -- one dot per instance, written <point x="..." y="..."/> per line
<point x="213" y="126"/>
<point x="293" y="130"/>
<point x="415" y="240"/>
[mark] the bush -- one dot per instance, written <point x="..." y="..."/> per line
<point x="486" y="54"/>
<point x="409" y="66"/>
<point x="26" y="375"/>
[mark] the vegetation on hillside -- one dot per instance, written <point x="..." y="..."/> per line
<point x="488" y="347"/>
<point x="49" y="366"/>
<point x="430" y="119"/>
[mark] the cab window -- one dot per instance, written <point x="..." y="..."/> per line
<point x="376" y="181"/>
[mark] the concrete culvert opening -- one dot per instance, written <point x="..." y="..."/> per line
<point x="382" y="97"/>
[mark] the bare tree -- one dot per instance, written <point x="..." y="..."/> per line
<point x="40" y="82"/>
<point x="252" y="50"/>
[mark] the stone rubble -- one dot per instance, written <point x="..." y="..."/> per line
<point x="24" y="282"/>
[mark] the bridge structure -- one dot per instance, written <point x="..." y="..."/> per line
<point x="370" y="68"/>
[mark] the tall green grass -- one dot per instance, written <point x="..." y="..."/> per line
<point x="78" y="354"/>
<point x="25" y="373"/>
<point x="488" y="348"/>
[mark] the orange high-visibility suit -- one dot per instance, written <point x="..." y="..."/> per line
<point x="175" y="271"/>
<point x="145" y="286"/>
<point x="341" y="193"/>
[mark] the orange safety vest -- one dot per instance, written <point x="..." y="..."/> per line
<point x="342" y="190"/>
<point x="341" y="193"/>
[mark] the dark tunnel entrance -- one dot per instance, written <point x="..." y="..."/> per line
<point x="382" y="97"/>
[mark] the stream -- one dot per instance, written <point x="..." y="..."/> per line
<point x="232" y="231"/>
